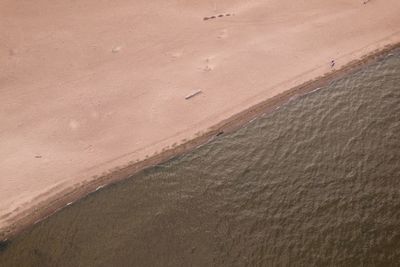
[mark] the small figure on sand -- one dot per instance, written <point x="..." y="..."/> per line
<point x="333" y="63"/>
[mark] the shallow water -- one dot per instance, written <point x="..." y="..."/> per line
<point x="317" y="182"/>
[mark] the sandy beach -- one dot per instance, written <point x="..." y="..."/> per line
<point x="93" y="91"/>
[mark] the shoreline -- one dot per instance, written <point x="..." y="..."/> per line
<point x="39" y="212"/>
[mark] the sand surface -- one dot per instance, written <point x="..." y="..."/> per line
<point x="88" y="86"/>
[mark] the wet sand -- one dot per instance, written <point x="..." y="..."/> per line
<point x="88" y="89"/>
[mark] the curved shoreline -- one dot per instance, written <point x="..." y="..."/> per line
<point x="44" y="209"/>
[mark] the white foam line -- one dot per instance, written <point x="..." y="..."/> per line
<point x="316" y="89"/>
<point x="99" y="187"/>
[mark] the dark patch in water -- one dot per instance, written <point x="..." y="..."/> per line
<point x="4" y="245"/>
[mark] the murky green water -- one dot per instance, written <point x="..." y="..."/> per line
<point x="317" y="182"/>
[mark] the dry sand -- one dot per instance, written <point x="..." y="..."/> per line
<point x="90" y="86"/>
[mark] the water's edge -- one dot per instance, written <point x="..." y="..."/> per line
<point x="27" y="219"/>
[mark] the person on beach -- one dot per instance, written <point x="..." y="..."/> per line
<point x="332" y="63"/>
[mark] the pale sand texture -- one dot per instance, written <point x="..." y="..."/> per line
<point x="87" y="86"/>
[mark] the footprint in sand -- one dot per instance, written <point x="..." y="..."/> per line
<point x="223" y="34"/>
<point x="116" y="49"/>
<point x="73" y="124"/>
<point x="12" y="52"/>
<point x="217" y="16"/>
<point x="208" y="66"/>
<point x="177" y="54"/>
